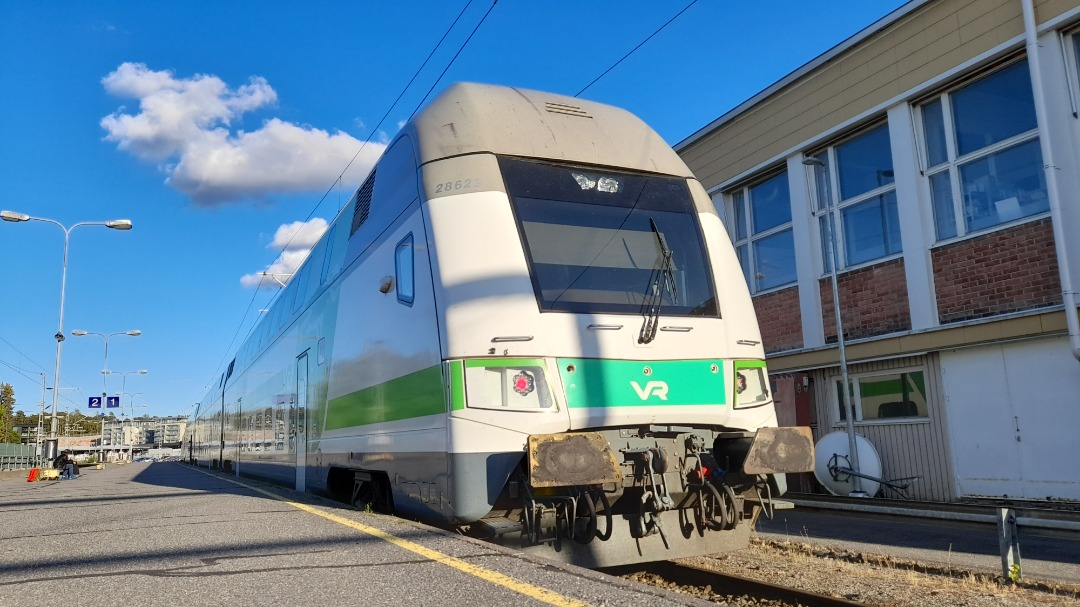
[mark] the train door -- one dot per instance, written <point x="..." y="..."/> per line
<point x="300" y="420"/>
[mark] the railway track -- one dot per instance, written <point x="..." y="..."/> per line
<point x="726" y="584"/>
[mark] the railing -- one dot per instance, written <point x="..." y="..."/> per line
<point x="18" y="457"/>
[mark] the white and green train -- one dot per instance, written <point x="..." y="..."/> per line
<point x="528" y="323"/>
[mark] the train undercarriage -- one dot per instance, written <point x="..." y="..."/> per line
<point x="600" y="499"/>
<point x="623" y="496"/>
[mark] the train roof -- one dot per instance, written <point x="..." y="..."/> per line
<point x="469" y="118"/>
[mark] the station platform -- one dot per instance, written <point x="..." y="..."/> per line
<point x="167" y="533"/>
<point x="144" y="533"/>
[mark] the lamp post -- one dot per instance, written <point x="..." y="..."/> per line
<point x="123" y="390"/>
<point x="115" y="224"/>
<point x="821" y="171"/>
<point x="105" y="372"/>
<point x="131" y="404"/>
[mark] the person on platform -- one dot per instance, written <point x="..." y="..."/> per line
<point x="66" y="465"/>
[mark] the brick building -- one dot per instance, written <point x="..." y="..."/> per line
<point x="936" y="154"/>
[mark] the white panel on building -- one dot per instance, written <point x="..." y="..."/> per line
<point x="1013" y="411"/>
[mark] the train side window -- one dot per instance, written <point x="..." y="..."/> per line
<point x="300" y="295"/>
<point x="328" y="255"/>
<point x="403" y="270"/>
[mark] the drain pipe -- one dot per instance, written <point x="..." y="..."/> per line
<point x="1053" y="190"/>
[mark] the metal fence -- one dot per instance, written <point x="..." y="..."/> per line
<point x="18" y="457"/>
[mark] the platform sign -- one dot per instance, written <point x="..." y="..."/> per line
<point x="95" y="402"/>
<point x="112" y="402"/>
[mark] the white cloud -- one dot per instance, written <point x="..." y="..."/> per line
<point x="295" y="241"/>
<point x="184" y="125"/>
<point x="299" y="234"/>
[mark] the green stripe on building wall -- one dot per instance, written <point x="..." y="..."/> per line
<point x="414" y="395"/>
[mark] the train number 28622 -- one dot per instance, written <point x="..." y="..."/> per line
<point x="460" y="184"/>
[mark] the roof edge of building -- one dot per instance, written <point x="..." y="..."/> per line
<point x="825" y="57"/>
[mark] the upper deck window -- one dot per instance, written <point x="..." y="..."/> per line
<point x="599" y="240"/>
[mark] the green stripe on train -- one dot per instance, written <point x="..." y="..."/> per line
<point x="624" y="383"/>
<point x="413" y="395"/>
<point x="457" y="385"/>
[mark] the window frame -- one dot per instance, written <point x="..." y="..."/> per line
<point x="473" y="392"/>
<point x="954" y="162"/>
<point x="836" y="411"/>
<point x="565" y="198"/>
<point x="743" y="237"/>
<point x="406" y="297"/>
<point x="827" y="206"/>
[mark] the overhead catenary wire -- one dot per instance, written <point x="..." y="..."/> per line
<point x="23" y="354"/>
<point x="337" y="182"/>
<point x="416" y="74"/>
<point x="454" y="58"/>
<point x="374" y="131"/>
<point x="404" y="90"/>
<point x="631" y="52"/>
<point x="21" y="371"/>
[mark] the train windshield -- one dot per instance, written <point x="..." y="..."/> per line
<point x="603" y="241"/>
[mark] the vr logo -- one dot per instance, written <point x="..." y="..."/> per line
<point x="653" y="388"/>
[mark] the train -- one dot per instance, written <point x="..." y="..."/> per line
<point x="527" y="324"/>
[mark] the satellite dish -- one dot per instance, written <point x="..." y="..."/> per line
<point x="832" y="456"/>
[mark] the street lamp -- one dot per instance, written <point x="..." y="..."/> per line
<point x="105" y="371"/>
<point x="131" y="403"/>
<point x="123" y="390"/>
<point x="115" y="224"/>
<point x="821" y="172"/>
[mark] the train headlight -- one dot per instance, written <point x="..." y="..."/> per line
<point x="507" y="384"/>
<point x="751" y="384"/>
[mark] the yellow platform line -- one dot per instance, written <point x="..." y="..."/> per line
<point x="541" y="594"/>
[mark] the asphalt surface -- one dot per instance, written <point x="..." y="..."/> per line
<point x="167" y="533"/>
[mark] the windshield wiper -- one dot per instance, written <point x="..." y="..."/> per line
<point x="654" y="295"/>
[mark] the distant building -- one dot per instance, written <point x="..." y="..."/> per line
<point x="160" y="432"/>
<point x="28" y="433"/>
<point x="944" y="142"/>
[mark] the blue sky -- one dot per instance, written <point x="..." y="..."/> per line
<point x="219" y="130"/>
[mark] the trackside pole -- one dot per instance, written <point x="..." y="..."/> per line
<point x="1009" y="543"/>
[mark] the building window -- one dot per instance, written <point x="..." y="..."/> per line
<point x="885" y="395"/>
<point x="762" y="233"/>
<point x="984" y="164"/>
<point x="860" y="196"/>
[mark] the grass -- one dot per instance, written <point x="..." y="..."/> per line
<point x="968" y="580"/>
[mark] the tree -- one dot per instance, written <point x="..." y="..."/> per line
<point x="7" y="420"/>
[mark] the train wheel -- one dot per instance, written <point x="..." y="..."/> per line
<point x="373" y="496"/>
<point x="363" y="497"/>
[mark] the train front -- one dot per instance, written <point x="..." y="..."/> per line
<point x="608" y="394"/>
